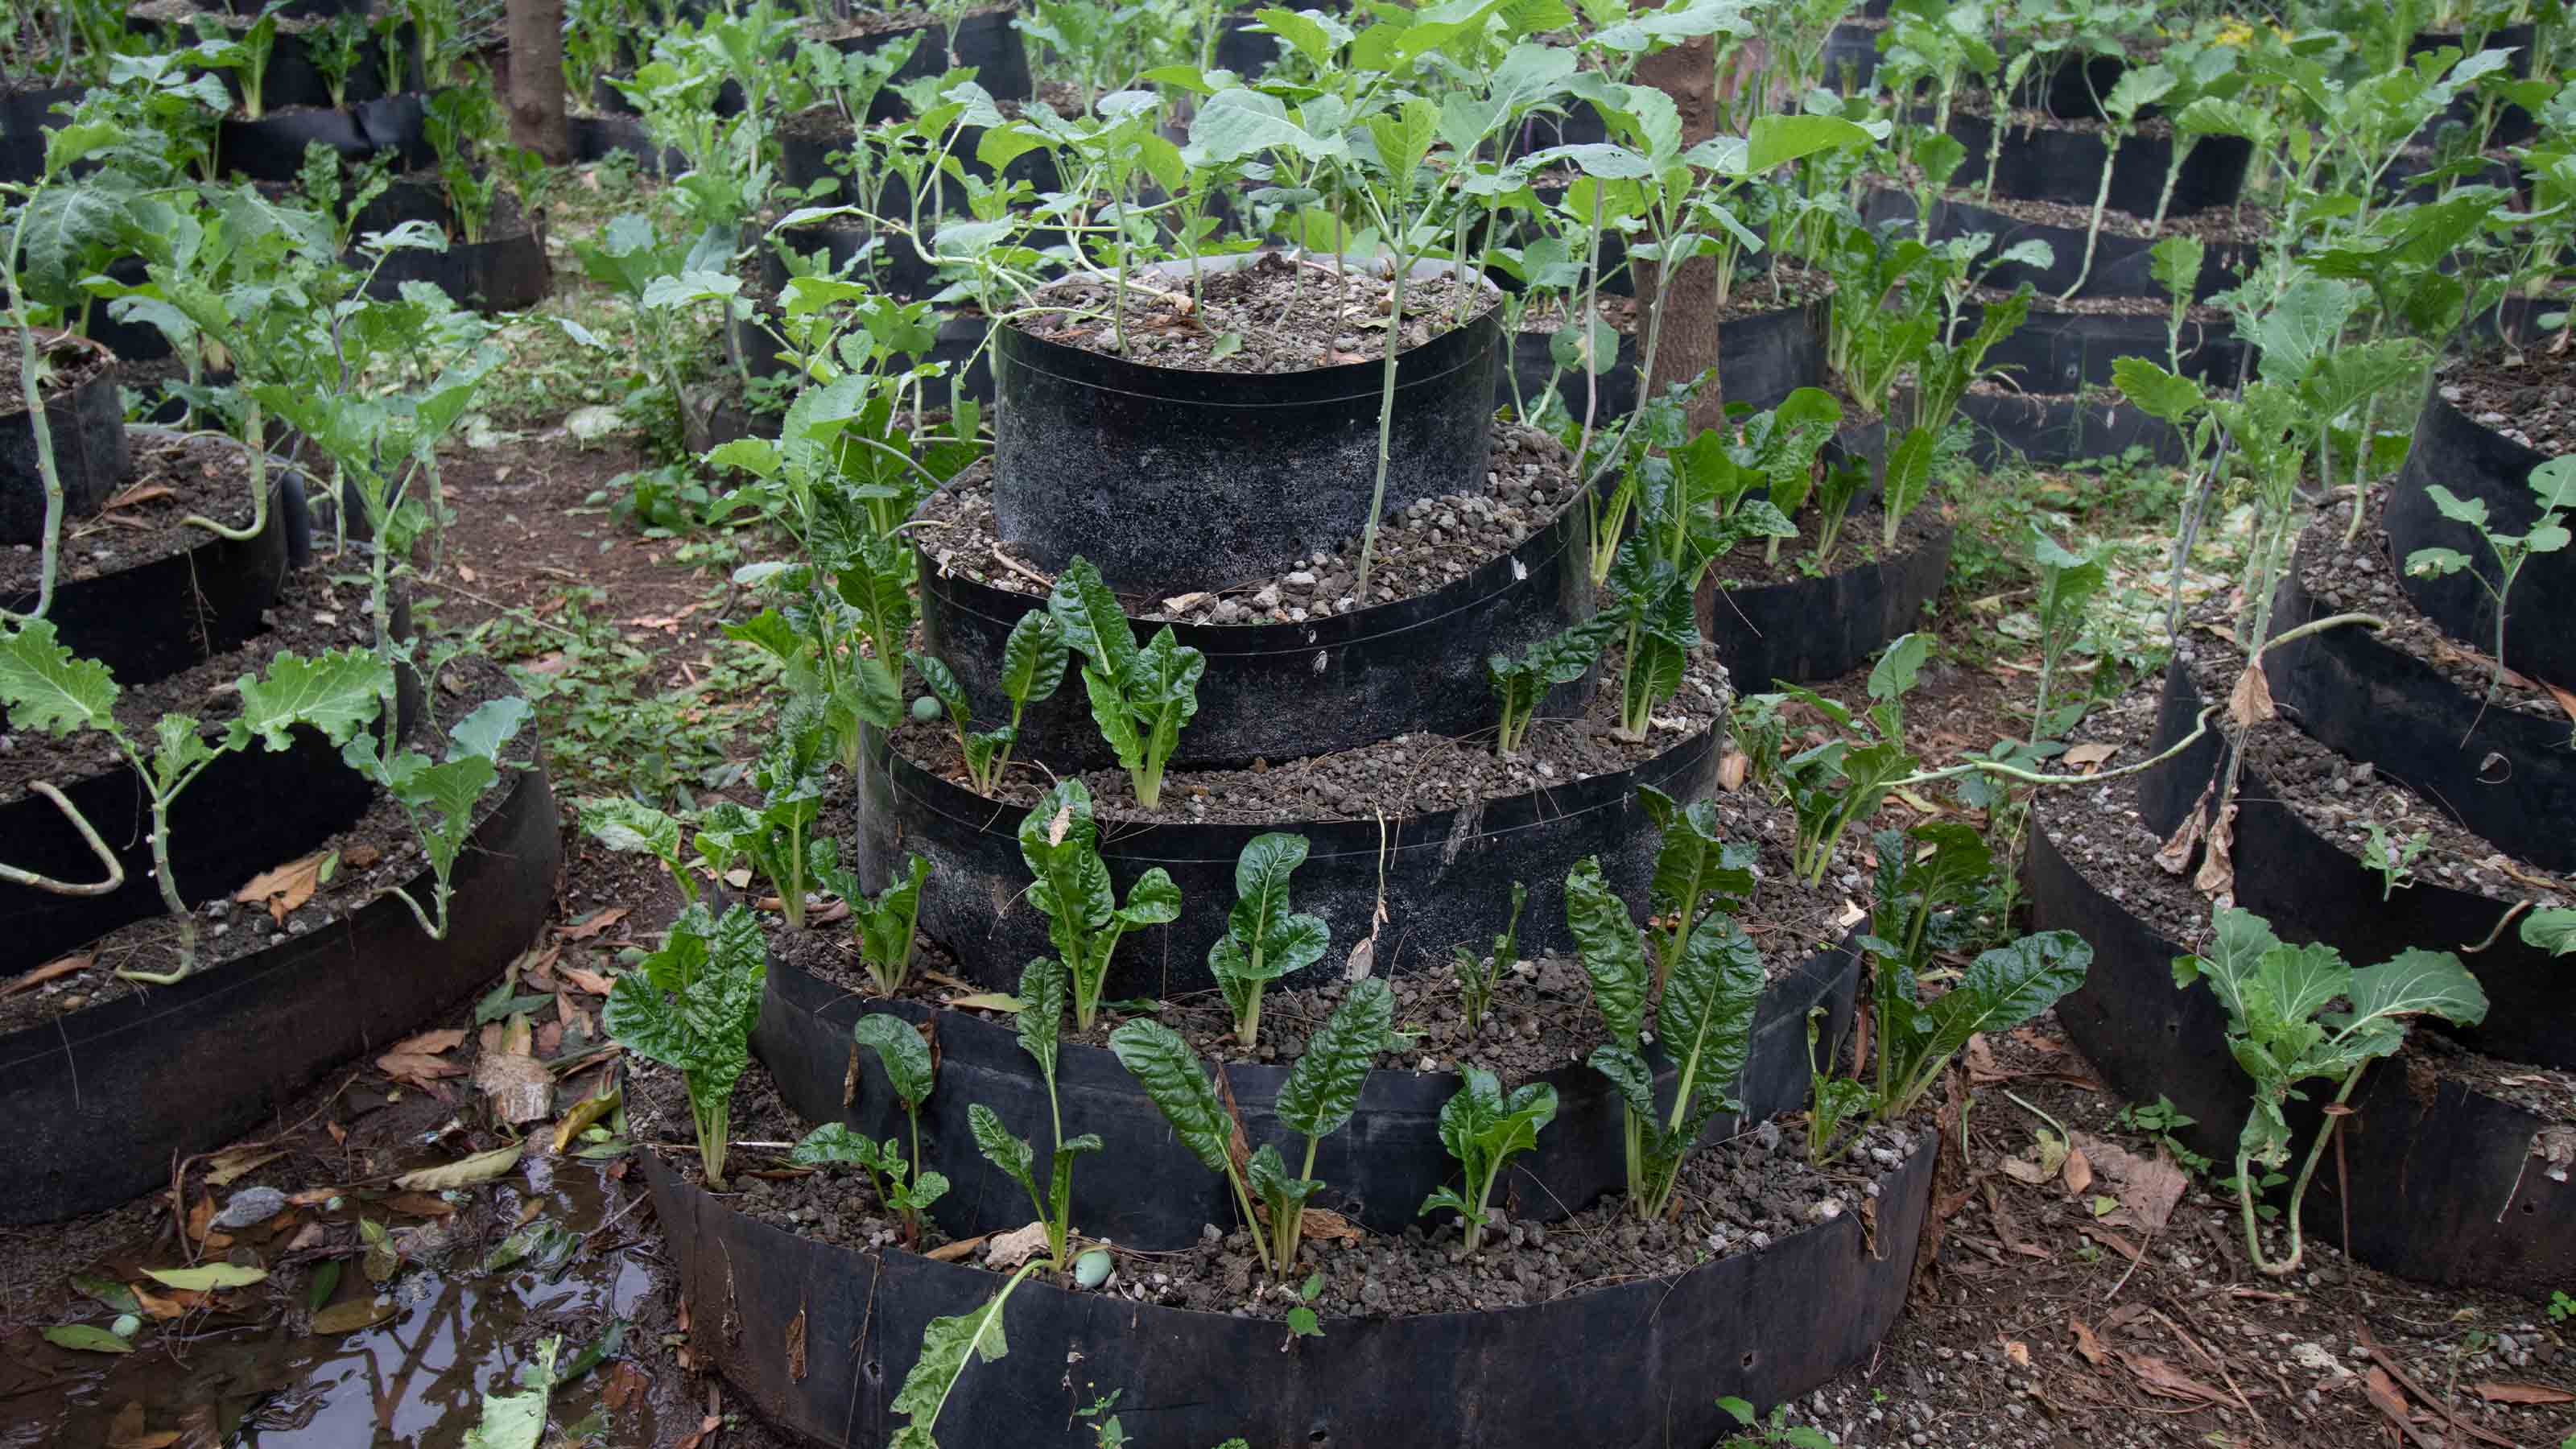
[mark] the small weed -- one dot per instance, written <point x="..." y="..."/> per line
<point x="1776" y="1431"/>
<point x="2159" y="1120"/>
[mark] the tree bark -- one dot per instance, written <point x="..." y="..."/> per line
<point x="1690" y="342"/>
<point x="536" y="79"/>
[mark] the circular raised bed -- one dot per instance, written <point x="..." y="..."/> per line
<point x="106" y="1097"/>
<point x="505" y="272"/>
<point x="86" y="425"/>
<point x="1171" y="479"/>
<point x="1766" y="1325"/>
<point x="2053" y="163"/>
<point x="2479" y="463"/>
<point x="987" y="40"/>
<point x="272" y="147"/>
<point x="2123" y="263"/>
<point x="1446" y="875"/>
<point x="2437" y="1178"/>
<point x="1824" y="627"/>
<point x="2063" y="428"/>
<point x="1379" y="1168"/>
<point x="1413" y="664"/>
<point x="2065" y="352"/>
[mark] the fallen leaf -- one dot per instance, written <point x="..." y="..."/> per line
<point x="989" y="1001"/>
<point x="232" y="1162"/>
<point x="2250" y="701"/>
<point x="1980" y="1058"/>
<point x="579" y="1120"/>
<point x="431" y="1043"/>
<point x="87" y="1337"/>
<point x="2085" y="1343"/>
<point x="47" y="972"/>
<point x="2566" y="698"/>
<point x="1011" y="1249"/>
<point x="2089" y="755"/>
<point x="1731" y="768"/>
<point x="2503" y="1393"/>
<point x="420" y="1205"/>
<point x="2078" y="1171"/>
<point x="2164" y="1380"/>
<point x="624" y="1382"/>
<point x="1317" y="1225"/>
<point x="201" y="1219"/>
<point x="2148" y="1187"/>
<point x="165" y="1309"/>
<point x="351" y="1316"/>
<point x="796" y="1346"/>
<point x="481" y="1167"/>
<point x="207" y="1278"/>
<point x="2384" y="1393"/>
<point x="1183" y="603"/>
<point x="126" y="1430"/>
<point x="592" y="924"/>
<point x="285" y="887"/>
<point x="417" y="1070"/>
<point x="138" y="493"/>
<point x="956" y="1252"/>
<point x="2018" y="1352"/>
<point x="591" y="982"/>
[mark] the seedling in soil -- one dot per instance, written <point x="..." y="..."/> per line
<point x="775" y="842"/>
<point x="1831" y="1100"/>
<point x="1140" y="698"/>
<point x="246" y="50"/>
<point x="1484" y="1128"/>
<point x="460" y="122"/>
<point x="627" y="825"/>
<point x="1704" y="1023"/>
<point x="1041" y="1017"/>
<point x="2160" y="1120"/>
<point x="1033" y="661"/>
<point x="1477" y="975"/>
<point x="1776" y="1433"/>
<point x="885" y="922"/>
<point x="2554" y="484"/>
<point x="1658" y="628"/>
<point x="2283" y="1031"/>
<point x="1696" y="871"/>
<point x="1263" y="941"/>
<point x="1059" y="841"/>
<point x="905" y="1059"/>
<point x="690" y="1006"/>
<point x="2392" y="856"/>
<point x="1519" y="685"/>
<point x="1830" y="786"/>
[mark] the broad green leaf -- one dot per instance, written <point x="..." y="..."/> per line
<point x="902" y="1053"/>
<point x="1011" y="1154"/>
<point x="214" y="1277"/>
<point x="1613" y="951"/>
<point x="1169" y="1071"/>
<point x="1323" y="1088"/>
<point x="1033" y="658"/>
<point x="1092" y="620"/>
<point x="629" y="825"/>
<point x="1705" y="1021"/>
<point x="490" y="728"/>
<point x="46" y="688"/>
<point x="87" y="1337"/>
<point x="1043" y="991"/>
<point x="2157" y="393"/>
<point x="334" y="692"/>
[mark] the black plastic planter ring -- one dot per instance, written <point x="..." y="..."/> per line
<point x="1765" y="1325"/>
<point x="1446" y="874"/>
<point x="1378" y="1169"/>
<point x="86" y="425"/>
<point x="2480" y="464"/>
<point x="2123" y="264"/>
<point x="1170" y="479"/>
<point x="104" y="1098"/>
<point x="1809" y="629"/>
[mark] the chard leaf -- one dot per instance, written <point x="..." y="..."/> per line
<point x="628" y="825"/>
<point x="885" y="923"/>
<point x="1153" y="901"/>
<point x="1629" y="1076"/>
<point x="1705" y="1021"/>
<point x="901" y="1052"/>
<point x="2006" y="987"/>
<point x="1011" y="1154"/>
<point x="1169" y="1071"/>
<point x="947" y="1346"/>
<point x="1613" y="951"/>
<point x="1033" y="658"/>
<point x="1040" y="1019"/>
<point x="1092" y="621"/>
<point x="1694" y="860"/>
<point x="1323" y="1088"/>
<point x="834" y="1143"/>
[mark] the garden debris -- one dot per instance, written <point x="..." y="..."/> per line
<point x="592" y="924"/>
<point x="520" y="1087"/>
<point x="47" y="972"/>
<point x="225" y="1166"/>
<point x="419" y="1060"/>
<point x="2501" y="1393"/>
<point x="584" y="1114"/>
<point x="481" y="1167"/>
<point x="351" y="1316"/>
<point x="1011" y="1249"/>
<point x="288" y="886"/>
<point x="250" y="1207"/>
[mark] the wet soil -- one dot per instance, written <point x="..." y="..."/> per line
<point x="1288" y="316"/>
<point x="173" y="478"/>
<point x="2529" y="397"/>
<point x="1408" y="775"/>
<point x="380" y="851"/>
<point x="63" y="362"/>
<point x="1421" y="546"/>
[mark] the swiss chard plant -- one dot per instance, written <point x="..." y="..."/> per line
<point x="1697" y="870"/>
<point x="1060" y="844"/>
<point x="948" y="1347"/>
<point x="1477" y="975"/>
<point x="1033" y="663"/>
<point x="632" y="827"/>
<point x="776" y="841"/>
<point x="1521" y="684"/>
<point x="905" y="1059"/>
<point x="2284" y="1029"/>
<point x="1832" y="785"/>
<point x="1703" y="1027"/>
<point x="1140" y="698"/>
<point x="886" y="922"/>
<point x="1657" y="625"/>
<point x="1484" y="1128"/>
<point x="461" y="121"/>
<point x="2553" y="487"/>
<point x="1040" y="1019"/>
<point x="691" y="1006"/>
<point x="1263" y="939"/>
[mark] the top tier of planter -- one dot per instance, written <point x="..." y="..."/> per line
<point x="1172" y="478"/>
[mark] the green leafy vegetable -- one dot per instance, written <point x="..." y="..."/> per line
<point x="691" y="1006"/>
<point x="1263" y="940"/>
<point x="1484" y="1129"/>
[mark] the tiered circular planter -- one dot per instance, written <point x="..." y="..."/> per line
<point x="1767" y="1318"/>
<point x="1804" y="628"/>
<point x="2454" y="1166"/>
<point x="26" y="114"/>
<point x="109" y="1091"/>
<point x="84" y="421"/>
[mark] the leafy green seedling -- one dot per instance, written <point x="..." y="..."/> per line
<point x="1519" y="684"/>
<point x="886" y="923"/>
<point x="690" y="1006"/>
<point x="775" y="842"/>
<point x="889" y="1175"/>
<point x="1041" y="1016"/>
<point x="624" y="824"/>
<point x="1477" y="976"/>
<point x="439" y="798"/>
<point x="1999" y="990"/>
<point x="1696" y="871"/>
<point x="2392" y="856"/>
<point x="1829" y="786"/>
<point x="948" y="1346"/>
<point x="1140" y="698"/>
<point x="1059" y="843"/>
<point x="2553" y="483"/>
<point x="1033" y="664"/>
<point x="2283" y="1031"/>
<point x="1831" y="1100"/>
<point x="1263" y="941"/>
<point x="1484" y="1129"/>
<point x="905" y="1059"/>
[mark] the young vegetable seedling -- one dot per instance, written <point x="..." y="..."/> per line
<point x="905" y="1059"/>
<point x="690" y="1006"/>
<point x="1477" y="976"/>
<point x="1059" y="844"/>
<point x="1041" y="1017"/>
<point x="887" y="922"/>
<point x="1140" y="698"/>
<point x="1484" y="1129"/>
<point x="2553" y="486"/>
<point x="1262" y="940"/>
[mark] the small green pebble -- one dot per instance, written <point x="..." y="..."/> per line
<point x="925" y="708"/>
<point x="126" y="1325"/>
<point x="1091" y="1269"/>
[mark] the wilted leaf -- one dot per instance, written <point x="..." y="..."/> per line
<point x="579" y="1120"/>
<point x="589" y="982"/>
<point x="1011" y="1249"/>
<point x="989" y="1001"/>
<point x="2148" y="1187"/>
<point x="2077" y="1171"/>
<point x="591" y="925"/>
<point x="481" y="1167"/>
<point x="2085" y="1343"/>
<point x="414" y="1069"/>
<point x="225" y="1166"/>
<point x="2502" y="1393"/>
<point x="285" y="887"/>
<point x="1319" y="1225"/>
<point x="420" y="1205"/>
<point x="2250" y="701"/>
<point x="208" y="1277"/>
<point x="2161" y="1378"/>
<point x="47" y="972"/>
<point x="351" y="1316"/>
<point x="2090" y="754"/>
<point x="2216" y="877"/>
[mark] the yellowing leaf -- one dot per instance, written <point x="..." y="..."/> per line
<point x="481" y="1167"/>
<point x="351" y="1316"/>
<point x="208" y="1277"/>
<point x="581" y="1117"/>
<point x="87" y="1337"/>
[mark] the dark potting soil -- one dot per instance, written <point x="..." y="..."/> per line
<point x="311" y="614"/>
<point x="173" y="478"/>
<point x="2102" y="832"/>
<point x="2362" y="576"/>
<point x="1408" y="775"/>
<point x="63" y="362"/>
<point x="377" y="853"/>
<point x="2529" y="398"/>
<point x="2337" y="796"/>
<point x="1421" y="546"/>
<point x="1861" y="541"/>
<point x="1288" y="316"/>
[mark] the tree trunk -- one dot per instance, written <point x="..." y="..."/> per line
<point x="536" y="79"/>
<point x="1689" y="342"/>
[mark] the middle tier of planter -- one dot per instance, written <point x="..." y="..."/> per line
<point x="1294" y="666"/>
<point x="1206" y="470"/>
<point x="1429" y="830"/>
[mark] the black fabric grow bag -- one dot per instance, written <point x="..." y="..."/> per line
<point x="2122" y="265"/>
<point x="272" y="147"/>
<point x="896" y="267"/>
<point x="2059" y="428"/>
<point x="1820" y="628"/>
<point x="25" y="117"/>
<point x="988" y="41"/>
<point x="2436" y="1181"/>
<point x="1415" y="664"/>
<point x="2477" y="462"/>
<point x="1447" y="874"/>
<point x="1171" y="479"/>
<point x="593" y="137"/>
<point x="1377" y="1170"/>
<point x="2065" y="352"/>
<point x="106" y="1098"/>
<point x="2507" y="775"/>
<point x="1766" y="1325"/>
<point x="2048" y="164"/>
<point x="496" y="274"/>
<point x="86" y="424"/>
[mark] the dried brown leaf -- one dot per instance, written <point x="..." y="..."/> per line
<point x="2090" y="755"/>
<point x="48" y="972"/>
<point x="2148" y="1187"/>
<point x="2165" y="1381"/>
<point x="591" y="925"/>
<point x="285" y="887"/>
<point x="2506" y="1393"/>
<point x="2086" y="1344"/>
<point x="2249" y="702"/>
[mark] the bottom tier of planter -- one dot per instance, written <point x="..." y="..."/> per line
<point x="818" y="1338"/>
<point x="108" y="1095"/>
<point x="2453" y="1167"/>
